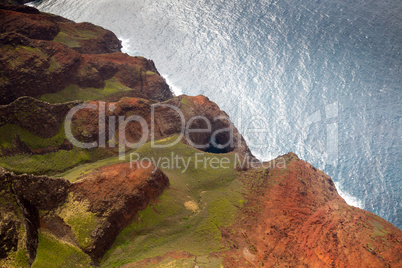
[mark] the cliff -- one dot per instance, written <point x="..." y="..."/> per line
<point x="87" y="214"/>
<point x="73" y="60"/>
<point x="180" y="199"/>
<point x="295" y="217"/>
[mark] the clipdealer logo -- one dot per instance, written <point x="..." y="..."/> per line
<point x="112" y="133"/>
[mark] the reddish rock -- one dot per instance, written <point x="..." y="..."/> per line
<point x="88" y="38"/>
<point x="42" y="53"/>
<point x="85" y="38"/>
<point x="115" y="194"/>
<point x="293" y="216"/>
<point x="25" y="60"/>
<point x="296" y="218"/>
<point x="201" y="106"/>
<point x="38" y="117"/>
<point x="32" y="25"/>
<point x="167" y="122"/>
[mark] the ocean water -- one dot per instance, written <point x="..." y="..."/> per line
<point x="320" y="78"/>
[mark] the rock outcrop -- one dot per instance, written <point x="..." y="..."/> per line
<point x="63" y="53"/>
<point x="102" y="203"/>
<point x="162" y="120"/>
<point x="38" y="117"/>
<point x="175" y="116"/>
<point x="89" y="213"/>
<point x="22" y="197"/>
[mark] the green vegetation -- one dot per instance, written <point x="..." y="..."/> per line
<point x="378" y="228"/>
<point x="200" y="261"/>
<point x="33" y="50"/>
<point x="17" y="258"/>
<point x="169" y="224"/>
<point x="188" y="216"/>
<point x="24" y="53"/>
<point x="82" y="222"/>
<point x="184" y="101"/>
<point x="171" y="262"/>
<point x="209" y="261"/>
<point x="64" y="38"/>
<point x="21" y="257"/>
<point x="149" y="73"/>
<point x="54" y="65"/>
<point x="54" y="253"/>
<point x="74" y="173"/>
<point x="9" y="133"/>
<point x="75" y="92"/>
<point x="71" y="37"/>
<point x="51" y="163"/>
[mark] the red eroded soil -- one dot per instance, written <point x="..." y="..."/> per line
<point x="108" y="188"/>
<point x="297" y="219"/>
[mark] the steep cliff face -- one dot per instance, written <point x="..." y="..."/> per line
<point x="12" y="229"/>
<point x="295" y="217"/>
<point x="38" y="117"/>
<point x="65" y="54"/>
<point x="27" y="125"/>
<point x="175" y="116"/>
<point x="102" y="203"/>
<point x="85" y="38"/>
<point x="33" y="127"/>
<point x="22" y="197"/>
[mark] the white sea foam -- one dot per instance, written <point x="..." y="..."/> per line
<point x="350" y="200"/>
<point x="176" y="90"/>
<point x="126" y="47"/>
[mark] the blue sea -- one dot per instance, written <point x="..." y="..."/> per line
<point x="320" y="78"/>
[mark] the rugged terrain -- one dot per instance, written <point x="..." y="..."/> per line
<point x="73" y="61"/>
<point x="66" y="206"/>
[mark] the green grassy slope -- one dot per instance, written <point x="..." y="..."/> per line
<point x="51" y="163"/>
<point x="54" y="253"/>
<point x="75" y="92"/>
<point x="188" y="216"/>
<point x="9" y="132"/>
